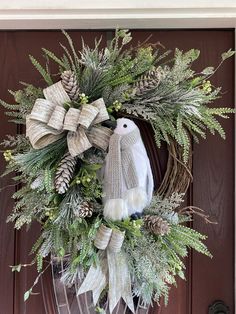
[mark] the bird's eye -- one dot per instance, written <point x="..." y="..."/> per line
<point x="124" y="125"/>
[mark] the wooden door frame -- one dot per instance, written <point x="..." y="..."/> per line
<point x="106" y="14"/>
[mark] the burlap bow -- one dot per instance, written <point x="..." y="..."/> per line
<point x="49" y="120"/>
<point x="111" y="270"/>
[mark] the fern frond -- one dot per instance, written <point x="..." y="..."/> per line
<point x="76" y="58"/>
<point x="46" y="76"/>
<point x="52" y="56"/>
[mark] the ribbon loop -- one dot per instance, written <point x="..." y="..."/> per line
<point x="56" y="94"/>
<point x="71" y="119"/>
<point x="87" y="115"/>
<point x="41" y="135"/>
<point x="103" y="237"/>
<point x="42" y="110"/>
<point x="116" y="241"/>
<point x="57" y="118"/>
<point x="48" y="121"/>
<point x="102" y="111"/>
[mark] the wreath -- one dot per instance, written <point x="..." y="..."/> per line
<point x="85" y="175"/>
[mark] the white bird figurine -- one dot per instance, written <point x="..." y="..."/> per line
<point x="127" y="174"/>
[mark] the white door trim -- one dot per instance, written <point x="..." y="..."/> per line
<point x="105" y="14"/>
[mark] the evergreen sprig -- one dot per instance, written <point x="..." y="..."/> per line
<point x="25" y="99"/>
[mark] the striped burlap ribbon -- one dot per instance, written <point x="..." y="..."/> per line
<point x="49" y="120"/>
<point x="111" y="270"/>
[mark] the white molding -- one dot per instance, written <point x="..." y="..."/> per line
<point x="121" y="4"/>
<point x="104" y="14"/>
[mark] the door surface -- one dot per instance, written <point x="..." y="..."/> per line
<point x="212" y="189"/>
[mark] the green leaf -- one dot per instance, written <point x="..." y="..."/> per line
<point x="48" y="179"/>
<point x="194" y="54"/>
<point x="39" y="262"/>
<point x="227" y="54"/>
<point x="208" y="71"/>
<point x="76" y="261"/>
<point x="16" y="268"/>
<point x="99" y="310"/>
<point x="93" y="167"/>
<point x="61" y="252"/>
<point x="181" y="274"/>
<point x="27" y="295"/>
<point x="195" y="81"/>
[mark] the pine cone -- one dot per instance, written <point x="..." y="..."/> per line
<point x="64" y="173"/>
<point x="70" y="84"/>
<point x="148" y="81"/>
<point x="156" y="224"/>
<point x="84" y="210"/>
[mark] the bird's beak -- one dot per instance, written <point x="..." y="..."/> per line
<point x="110" y="124"/>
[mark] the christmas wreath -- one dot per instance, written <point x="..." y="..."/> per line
<point x="85" y="175"/>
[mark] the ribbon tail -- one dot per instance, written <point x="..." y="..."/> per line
<point x="95" y="280"/>
<point x="119" y="281"/>
<point x="127" y="291"/>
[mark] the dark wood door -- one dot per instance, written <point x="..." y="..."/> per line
<point x="212" y="189"/>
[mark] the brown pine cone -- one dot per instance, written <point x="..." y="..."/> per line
<point x="148" y="81"/>
<point x="64" y="173"/>
<point x="156" y="224"/>
<point x="70" y="84"/>
<point x="84" y="210"/>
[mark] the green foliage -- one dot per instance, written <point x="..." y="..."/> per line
<point x="76" y="60"/>
<point x="64" y="65"/>
<point x="48" y="179"/>
<point x="35" y="160"/>
<point x="18" y="143"/>
<point x="102" y="70"/>
<point x="182" y="237"/>
<point x="30" y="206"/>
<point x="76" y="238"/>
<point x="25" y="99"/>
<point x="44" y="72"/>
<point x="154" y="262"/>
<point x="227" y="54"/>
<point x="164" y="206"/>
<point x="88" y="182"/>
<point x="67" y="206"/>
<point x="131" y="227"/>
<point x="177" y="106"/>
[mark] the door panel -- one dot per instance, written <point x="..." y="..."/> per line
<point x="212" y="188"/>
